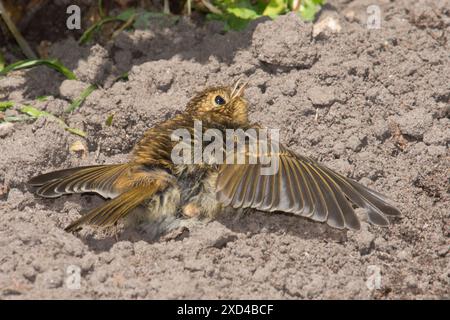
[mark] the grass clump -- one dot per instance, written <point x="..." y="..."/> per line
<point x="236" y="14"/>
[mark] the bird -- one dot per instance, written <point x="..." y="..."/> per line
<point x="151" y="185"/>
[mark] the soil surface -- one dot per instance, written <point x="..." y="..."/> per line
<point x="372" y="104"/>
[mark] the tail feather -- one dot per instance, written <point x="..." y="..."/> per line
<point x="113" y="210"/>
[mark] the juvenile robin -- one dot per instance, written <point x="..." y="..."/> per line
<point x="153" y="181"/>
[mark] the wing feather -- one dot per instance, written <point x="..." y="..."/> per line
<point x="302" y="187"/>
<point x="97" y="179"/>
<point x="287" y="198"/>
<point x="301" y="204"/>
<point x="250" y="192"/>
<point x="113" y="210"/>
<point x="334" y="215"/>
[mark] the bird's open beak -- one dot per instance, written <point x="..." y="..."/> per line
<point x="238" y="89"/>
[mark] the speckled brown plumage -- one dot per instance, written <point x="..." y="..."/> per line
<point x="152" y="180"/>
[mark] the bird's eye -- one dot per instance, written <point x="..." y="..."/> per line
<point x="219" y="100"/>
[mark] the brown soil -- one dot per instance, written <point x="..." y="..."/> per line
<point x="372" y="104"/>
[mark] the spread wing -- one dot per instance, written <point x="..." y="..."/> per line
<point x="99" y="179"/>
<point x="128" y="185"/>
<point x="303" y="187"/>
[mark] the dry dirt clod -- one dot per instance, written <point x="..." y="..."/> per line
<point x="326" y="26"/>
<point x="397" y="136"/>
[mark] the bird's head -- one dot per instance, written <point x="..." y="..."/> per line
<point x="225" y="104"/>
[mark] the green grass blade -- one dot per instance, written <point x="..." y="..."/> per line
<point x="42" y="98"/>
<point x="109" y="120"/>
<point x="126" y="15"/>
<point x="2" y="61"/>
<point x="78" y="132"/>
<point x="100" y="9"/>
<point x="16" y="118"/>
<point x="122" y="77"/>
<point x="23" y="44"/>
<point x="33" y="112"/>
<point x="77" y="103"/>
<point x="87" y="35"/>
<point x="6" y="105"/>
<point x="51" y="63"/>
<point x="36" y="113"/>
